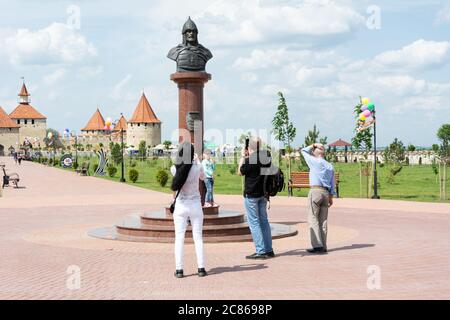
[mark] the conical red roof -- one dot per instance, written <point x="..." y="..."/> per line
<point x="24" y="91"/>
<point x="96" y="122"/>
<point x="144" y="112"/>
<point x="26" y="111"/>
<point x="121" y="125"/>
<point x="5" y="120"/>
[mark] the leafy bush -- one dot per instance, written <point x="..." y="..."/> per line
<point x="95" y="167"/>
<point x="50" y="161"/>
<point x="133" y="164"/>
<point x="162" y="177"/>
<point x="233" y="169"/>
<point x="75" y="165"/>
<point x="112" y="171"/>
<point x="133" y="175"/>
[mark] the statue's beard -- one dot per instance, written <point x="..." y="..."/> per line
<point x="192" y="43"/>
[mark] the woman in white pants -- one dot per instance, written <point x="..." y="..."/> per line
<point x="187" y="171"/>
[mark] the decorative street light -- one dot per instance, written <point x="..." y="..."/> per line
<point x="375" y="178"/>
<point x="122" y="178"/>
<point x="367" y="111"/>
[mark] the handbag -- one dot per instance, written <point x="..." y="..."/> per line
<point x="172" y="205"/>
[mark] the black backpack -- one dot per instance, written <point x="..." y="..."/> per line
<point x="274" y="183"/>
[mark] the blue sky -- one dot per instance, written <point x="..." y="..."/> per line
<point x="321" y="54"/>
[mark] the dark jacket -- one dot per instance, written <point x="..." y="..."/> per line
<point x="253" y="171"/>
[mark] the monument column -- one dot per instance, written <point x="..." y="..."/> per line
<point x="190" y="107"/>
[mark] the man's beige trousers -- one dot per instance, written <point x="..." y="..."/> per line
<point x="317" y="217"/>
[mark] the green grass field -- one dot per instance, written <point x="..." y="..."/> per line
<point x="414" y="183"/>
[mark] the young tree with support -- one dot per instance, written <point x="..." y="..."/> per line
<point x="284" y="129"/>
<point x="443" y="135"/>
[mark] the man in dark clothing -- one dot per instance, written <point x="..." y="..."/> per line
<point x="253" y="164"/>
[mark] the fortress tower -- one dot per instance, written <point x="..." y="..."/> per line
<point x="143" y="125"/>
<point x="33" y="125"/>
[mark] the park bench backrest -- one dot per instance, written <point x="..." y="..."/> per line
<point x="302" y="179"/>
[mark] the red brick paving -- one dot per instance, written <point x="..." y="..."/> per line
<point x="43" y="231"/>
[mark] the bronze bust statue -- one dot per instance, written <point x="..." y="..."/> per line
<point x="190" y="55"/>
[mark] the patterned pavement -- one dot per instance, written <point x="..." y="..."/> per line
<point x="377" y="249"/>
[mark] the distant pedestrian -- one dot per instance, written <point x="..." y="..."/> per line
<point x="19" y="159"/>
<point x="209" y="167"/>
<point x="320" y="197"/>
<point x="15" y="157"/>
<point x="251" y="166"/>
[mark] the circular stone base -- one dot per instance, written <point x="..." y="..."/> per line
<point x="110" y="233"/>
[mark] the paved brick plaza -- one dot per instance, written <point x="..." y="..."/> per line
<point x="43" y="231"/>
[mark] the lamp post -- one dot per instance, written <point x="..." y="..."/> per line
<point x="74" y="134"/>
<point x="375" y="178"/>
<point x="122" y="178"/>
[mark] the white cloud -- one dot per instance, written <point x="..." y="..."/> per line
<point x="419" y="54"/>
<point x="252" y="21"/>
<point x="443" y="15"/>
<point x="314" y="76"/>
<point x="272" y="89"/>
<point x="88" y="72"/>
<point x="249" y="77"/>
<point x="54" y="44"/>
<point x="400" y="85"/>
<point x="427" y="104"/>
<point x="119" y="92"/>
<point x="54" y="77"/>
<point x="263" y="59"/>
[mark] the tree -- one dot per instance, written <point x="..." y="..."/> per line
<point x="284" y="129"/>
<point x="443" y="135"/>
<point x="435" y="148"/>
<point x="362" y="139"/>
<point x="395" y="154"/>
<point x="142" y="149"/>
<point x="411" y="148"/>
<point x="116" y="153"/>
<point x="167" y="144"/>
<point x="323" y="140"/>
<point x="312" y="137"/>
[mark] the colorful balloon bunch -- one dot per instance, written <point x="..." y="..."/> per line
<point x="108" y="124"/>
<point x="367" y="109"/>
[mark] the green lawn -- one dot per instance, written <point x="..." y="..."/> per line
<point x="415" y="183"/>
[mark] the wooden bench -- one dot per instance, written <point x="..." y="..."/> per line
<point x="8" y="178"/>
<point x="301" y="180"/>
<point x="84" y="170"/>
